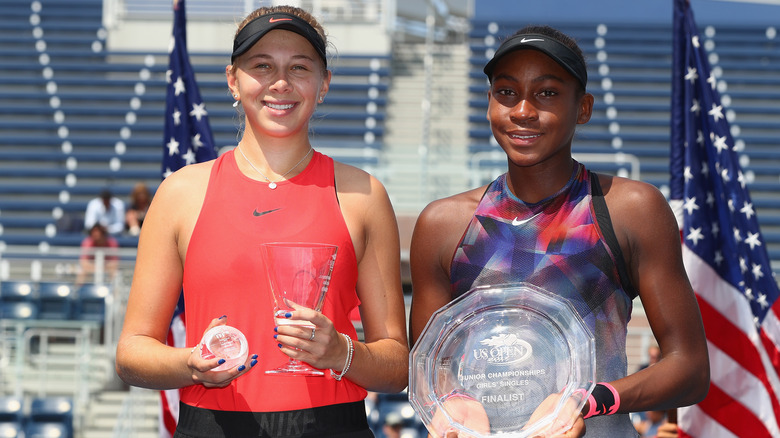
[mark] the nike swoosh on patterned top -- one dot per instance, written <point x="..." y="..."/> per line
<point x="260" y="213"/>
<point x="516" y="222"/>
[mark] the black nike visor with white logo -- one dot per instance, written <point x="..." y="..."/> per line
<point x="257" y="28"/>
<point x="551" y="47"/>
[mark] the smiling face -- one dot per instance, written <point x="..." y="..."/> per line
<point x="534" y="107"/>
<point x="279" y="82"/>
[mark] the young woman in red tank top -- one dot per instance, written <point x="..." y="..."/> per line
<point x="203" y="232"/>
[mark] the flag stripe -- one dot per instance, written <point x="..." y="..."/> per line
<point x="732" y="414"/>
<point x="697" y="424"/>
<point x="728" y="375"/>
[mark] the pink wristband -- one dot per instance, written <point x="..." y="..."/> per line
<point x="604" y="400"/>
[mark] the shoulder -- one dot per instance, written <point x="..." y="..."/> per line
<point x="453" y="210"/>
<point x="350" y="179"/>
<point x="628" y="196"/>
<point x="640" y="214"/>
<point x="442" y="222"/>
<point x="189" y="179"/>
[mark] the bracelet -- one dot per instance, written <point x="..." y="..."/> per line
<point x="348" y="362"/>
<point x="603" y="400"/>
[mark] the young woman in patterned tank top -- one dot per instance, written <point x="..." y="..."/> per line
<point x="537" y="97"/>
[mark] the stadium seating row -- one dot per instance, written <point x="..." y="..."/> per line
<point x="53" y="300"/>
<point x="45" y="417"/>
<point x="78" y="117"/>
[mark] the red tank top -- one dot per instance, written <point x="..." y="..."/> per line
<point x="224" y="275"/>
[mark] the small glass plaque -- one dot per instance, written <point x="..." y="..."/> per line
<point x="511" y="360"/>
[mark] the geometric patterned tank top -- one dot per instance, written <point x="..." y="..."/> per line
<point x="566" y="246"/>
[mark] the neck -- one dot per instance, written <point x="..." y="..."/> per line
<point x="272" y="164"/>
<point x="535" y="183"/>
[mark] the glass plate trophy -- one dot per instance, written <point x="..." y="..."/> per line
<point x="298" y="272"/>
<point x="511" y="360"/>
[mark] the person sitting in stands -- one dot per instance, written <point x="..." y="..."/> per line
<point x="106" y="210"/>
<point x="97" y="239"/>
<point x="140" y="198"/>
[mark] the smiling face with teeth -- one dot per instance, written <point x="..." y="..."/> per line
<point x="534" y="107"/>
<point x="279" y="82"/>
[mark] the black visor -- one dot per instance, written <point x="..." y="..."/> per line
<point x="551" y="47"/>
<point x="257" y="28"/>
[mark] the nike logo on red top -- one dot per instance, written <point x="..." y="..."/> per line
<point x="274" y="20"/>
<point x="260" y="213"/>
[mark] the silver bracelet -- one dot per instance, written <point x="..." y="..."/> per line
<point x="348" y="362"/>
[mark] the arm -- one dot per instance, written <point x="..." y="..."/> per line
<point x="650" y="241"/>
<point x="142" y="357"/>
<point x="90" y="215"/>
<point x="382" y="362"/>
<point x="117" y="224"/>
<point x="436" y="236"/>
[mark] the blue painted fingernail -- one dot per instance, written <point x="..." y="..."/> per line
<point x="254" y="356"/>
<point x="275" y="336"/>
<point x="276" y="329"/>
<point x="241" y="368"/>
<point x="223" y="317"/>
<point x="221" y="361"/>
<point x="287" y="315"/>
<point x="280" y="345"/>
<point x="253" y="363"/>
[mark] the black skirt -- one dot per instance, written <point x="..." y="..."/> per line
<point x="346" y="420"/>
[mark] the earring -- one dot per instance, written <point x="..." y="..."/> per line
<point x="321" y="99"/>
<point x="235" y="104"/>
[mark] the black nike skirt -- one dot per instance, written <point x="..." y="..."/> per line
<point x="346" y="420"/>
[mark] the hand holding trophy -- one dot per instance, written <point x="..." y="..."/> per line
<point x="298" y="273"/>
<point x="510" y="360"/>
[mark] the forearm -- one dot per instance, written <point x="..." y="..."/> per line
<point x="675" y="381"/>
<point x="145" y="362"/>
<point x="380" y="366"/>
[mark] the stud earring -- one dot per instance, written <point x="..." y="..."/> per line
<point x="321" y="99"/>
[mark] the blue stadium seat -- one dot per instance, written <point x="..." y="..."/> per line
<point x="47" y="430"/>
<point x="11" y="429"/>
<point x="91" y="302"/>
<point x="54" y="414"/>
<point x="11" y="410"/>
<point x="17" y="290"/>
<point x="18" y="310"/>
<point x="397" y="403"/>
<point x="55" y="300"/>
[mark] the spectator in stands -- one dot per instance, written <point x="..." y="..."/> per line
<point x="272" y="187"/>
<point x="595" y="239"/>
<point x="98" y="239"/>
<point x="140" y="199"/>
<point x="106" y="210"/>
<point x="653" y="355"/>
<point x="393" y="425"/>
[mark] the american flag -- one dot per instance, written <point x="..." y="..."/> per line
<point x="188" y="137"/>
<point x="724" y="253"/>
<point x="187" y="140"/>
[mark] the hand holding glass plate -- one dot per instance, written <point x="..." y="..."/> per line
<point x="299" y="273"/>
<point x="517" y="354"/>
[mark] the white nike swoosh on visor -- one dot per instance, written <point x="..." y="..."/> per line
<point x="524" y="40"/>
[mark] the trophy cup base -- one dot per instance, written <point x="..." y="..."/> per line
<point x="296" y="370"/>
